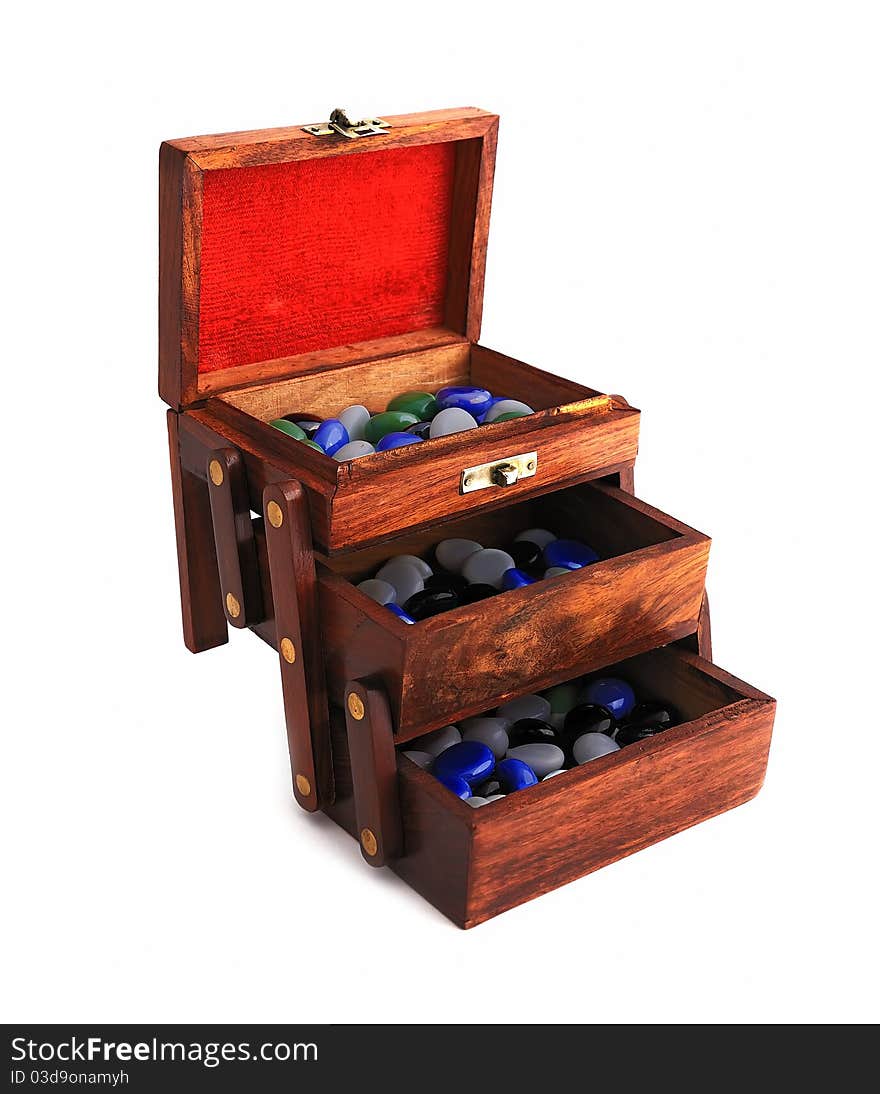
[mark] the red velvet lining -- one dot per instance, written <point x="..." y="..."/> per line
<point x="317" y="253"/>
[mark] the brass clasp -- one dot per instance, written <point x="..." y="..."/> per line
<point x="342" y="126"/>
<point x="502" y="473"/>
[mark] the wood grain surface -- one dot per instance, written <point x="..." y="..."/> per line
<point x="234" y="539"/>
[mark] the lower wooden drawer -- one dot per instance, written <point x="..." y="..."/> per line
<point x="646" y="591"/>
<point x="473" y="864"/>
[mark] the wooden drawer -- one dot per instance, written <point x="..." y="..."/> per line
<point x="576" y="432"/>
<point x="645" y="592"/>
<point x="473" y="864"/>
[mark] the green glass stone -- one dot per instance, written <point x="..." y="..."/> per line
<point x="392" y="421"/>
<point x="421" y="403"/>
<point x="312" y="444"/>
<point x="562" y="698"/>
<point x="290" y="428"/>
<point x="509" y="416"/>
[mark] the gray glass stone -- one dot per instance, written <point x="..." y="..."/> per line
<point x="487" y="567"/>
<point x="354" y="450"/>
<point x="405" y="578"/>
<point x="541" y="758"/>
<point x="536" y="535"/>
<point x="355" y="419"/>
<point x="507" y="406"/>
<point x="527" y="706"/>
<point x="452" y="554"/>
<point x="438" y="741"/>
<point x="593" y="745"/>
<point x="383" y="592"/>
<point x="488" y="731"/>
<point x="452" y="420"/>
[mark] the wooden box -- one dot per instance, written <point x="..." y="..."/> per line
<point x="305" y="269"/>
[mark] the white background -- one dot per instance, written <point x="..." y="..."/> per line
<point x="687" y="211"/>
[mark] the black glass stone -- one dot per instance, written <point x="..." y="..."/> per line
<point x="421" y="429"/>
<point x="453" y="583"/>
<point x="653" y="713"/>
<point x="629" y="734"/>
<point x="476" y="592"/>
<point x="586" y="718"/>
<point x="525" y="554"/>
<point x="430" y="602"/>
<point x="488" y="788"/>
<point x="533" y="731"/>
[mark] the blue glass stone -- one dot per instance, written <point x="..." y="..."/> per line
<point x="475" y="400"/>
<point x="514" y="775"/>
<point x="457" y="785"/>
<point x="610" y="692"/>
<point x="470" y="760"/>
<point x="515" y="579"/>
<point x="396" y="440"/>
<point x="400" y="613"/>
<point x="569" y="553"/>
<point x="331" y="435"/>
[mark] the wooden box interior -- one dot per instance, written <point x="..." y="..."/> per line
<point x="473" y="864"/>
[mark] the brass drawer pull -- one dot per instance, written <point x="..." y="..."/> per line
<point x="503" y="473"/>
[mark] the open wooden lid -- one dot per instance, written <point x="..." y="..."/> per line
<point x="285" y="251"/>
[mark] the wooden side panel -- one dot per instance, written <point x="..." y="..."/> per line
<point x="626" y="801"/>
<point x="373" y="773"/>
<point x="234" y="539"/>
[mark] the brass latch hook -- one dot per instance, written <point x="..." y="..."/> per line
<point x="341" y="125"/>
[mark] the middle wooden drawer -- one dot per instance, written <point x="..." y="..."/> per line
<point x="645" y="591"/>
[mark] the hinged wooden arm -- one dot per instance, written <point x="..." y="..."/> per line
<point x="234" y="538"/>
<point x="373" y="773"/>
<point x="298" y="639"/>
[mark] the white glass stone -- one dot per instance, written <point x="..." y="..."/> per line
<point x="438" y="741"/>
<point x="419" y="563"/>
<point x="355" y="419"/>
<point x="542" y="757"/>
<point x="527" y="706"/>
<point x="495" y="798"/>
<point x="507" y="406"/>
<point x="405" y="578"/>
<point x="452" y="420"/>
<point x="491" y="732"/>
<point x="452" y="554"/>
<point x="536" y="535"/>
<point x="591" y="746"/>
<point x="353" y="451"/>
<point x="551" y="774"/>
<point x="475" y="801"/>
<point x="487" y="567"/>
<point x="383" y="592"/>
<point x="423" y="759"/>
<point x="556" y="571"/>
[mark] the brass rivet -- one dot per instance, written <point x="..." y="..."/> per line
<point x="368" y="842"/>
<point x="531" y="465"/>
<point x="288" y="650"/>
<point x="233" y="606"/>
<point x="215" y="470"/>
<point x="355" y="706"/>
<point x="273" y="512"/>
<point x="303" y="785"/>
<point x="468" y="481"/>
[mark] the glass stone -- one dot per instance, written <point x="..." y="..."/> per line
<point x="458" y="786"/>
<point x="486" y="567"/>
<point x="423" y="759"/>
<point x="527" y="706"/>
<point x="591" y="746"/>
<point x="588" y="718"/>
<point x="307" y="424"/>
<point x="451" y="554"/>
<point x="383" y="592"/>
<point x="355" y="419"/>
<point x="406" y="578"/>
<point x="437" y="741"/>
<point x="354" y="450"/>
<point x="311" y="444"/>
<point x="535" y="535"/>
<point x="629" y="734"/>
<point x="290" y="428"/>
<point x="506" y="406"/>
<point x="525" y="554"/>
<point x="469" y="760"/>
<point x="421" y="403"/>
<point x="491" y="732"/>
<point x="391" y="421"/>
<point x="450" y="583"/>
<point x="530" y="731"/>
<point x="475" y="400"/>
<point x="610" y="692"/>
<point x="562" y="698"/>
<point x="654" y="713"/>
<point x="452" y="420"/>
<point x="489" y="788"/>
<point x="508" y="417"/>
<point x="515" y="579"/>
<point x="475" y="593"/>
<point x="422" y="430"/>
<point x="331" y="435"/>
<point x="494" y="798"/>
<point x="553" y="774"/>
<point x="569" y="553"/>
<point x="417" y="563"/>
<point x="542" y="757"/>
<point x="557" y="571"/>
<point x="475" y="801"/>
<point x="405" y="617"/>
<point x="430" y="602"/>
<point x="397" y="440"/>
<point x="481" y="417"/>
<point x="514" y="775"/>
